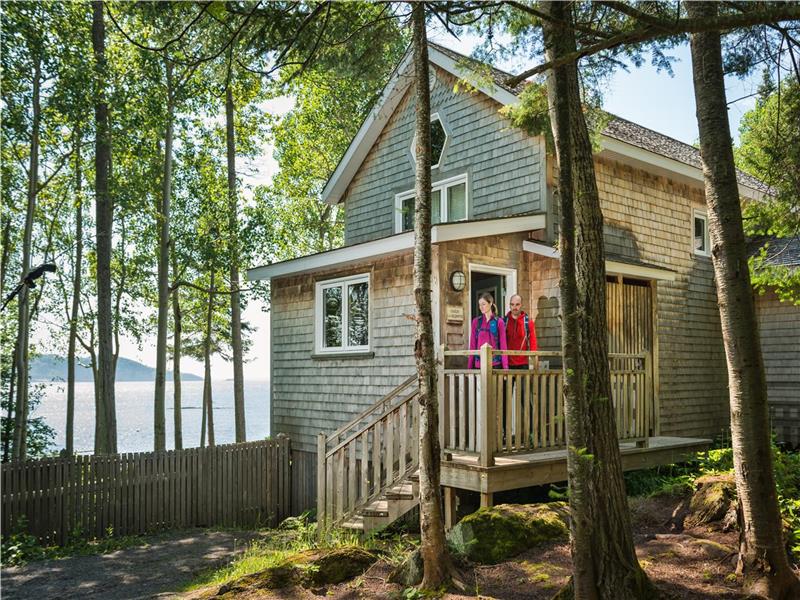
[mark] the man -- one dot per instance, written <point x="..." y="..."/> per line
<point x="520" y="333"/>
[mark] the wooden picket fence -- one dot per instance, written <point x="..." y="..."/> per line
<point x="236" y="485"/>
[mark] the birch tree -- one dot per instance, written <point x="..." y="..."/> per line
<point x="762" y="556"/>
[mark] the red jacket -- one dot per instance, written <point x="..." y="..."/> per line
<point x="518" y="339"/>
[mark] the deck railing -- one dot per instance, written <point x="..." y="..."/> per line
<point x="373" y="452"/>
<point x="490" y="411"/>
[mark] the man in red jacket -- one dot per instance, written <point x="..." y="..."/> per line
<point x="520" y="333"/>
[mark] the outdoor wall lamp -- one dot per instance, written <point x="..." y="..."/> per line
<point x="458" y="280"/>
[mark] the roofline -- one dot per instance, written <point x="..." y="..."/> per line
<point x="393" y="244"/>
<point x="380" y="114"/>
<point x="613" y="267"/>
<point x="640" y="157"/>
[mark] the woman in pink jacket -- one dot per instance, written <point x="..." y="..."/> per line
<point x="488" y="328"/>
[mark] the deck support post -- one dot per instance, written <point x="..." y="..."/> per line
<point x="449" y="507"/>
<point x="487" y="499"/>
<point x="487" y="427"/>
<point x="321" y="479"/>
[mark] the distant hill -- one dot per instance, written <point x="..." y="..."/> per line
<point x="50" y="367"/>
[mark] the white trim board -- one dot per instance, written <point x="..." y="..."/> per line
<point x="444" y="232"/>
<point x="511" y="285"/>
<point x="613" y="267"/>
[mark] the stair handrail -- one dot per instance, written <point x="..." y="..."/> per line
<point x="388" y="397"/>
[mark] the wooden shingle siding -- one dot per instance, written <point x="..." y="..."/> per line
<point x="502" y="162"/>
<point x="311" y="395"/>
<point x="779" y="328"/>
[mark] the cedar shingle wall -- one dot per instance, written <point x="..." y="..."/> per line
<point x="312" y="395"/>
<point x="779" y="327"/>
<point x="502" y="162"/>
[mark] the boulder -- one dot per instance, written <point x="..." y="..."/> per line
<point x="714" y="501"/>
<point x="492" y="535"/>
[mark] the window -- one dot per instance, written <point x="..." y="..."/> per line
<point x="342" y="315"/>
<point x="700" y="243"/>
<point x="438" y="141"/>
<point x="448" y="203"/>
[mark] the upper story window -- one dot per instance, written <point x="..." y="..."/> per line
<point x="341" y="315"/>
<point x="438" y="141"/>
<point x="700" y="241"/>
<point x="449" y="202"/>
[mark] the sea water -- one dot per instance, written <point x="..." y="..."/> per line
<point x="134" y="403"/>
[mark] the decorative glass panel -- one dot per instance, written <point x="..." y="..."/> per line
<point x="332" y="317"/>
<point x="436" y="207"/>
<point x="699" y="234"/>
<point x="457" y="202"/>
<point x="408" y="213"/>
<point x="358" y="314"/>
<point x="438" y="137"/>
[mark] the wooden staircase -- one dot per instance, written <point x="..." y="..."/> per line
<point x="367" y="469"/>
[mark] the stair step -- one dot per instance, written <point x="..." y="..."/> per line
<point x="402" y="491"/>
<point x="355" y="522"/>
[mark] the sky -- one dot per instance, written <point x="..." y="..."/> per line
<point x="655" y="100"/>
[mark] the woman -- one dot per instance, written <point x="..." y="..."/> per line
<point x="488" y="329"/>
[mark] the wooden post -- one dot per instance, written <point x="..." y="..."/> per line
<point x="449" y="507"/>
<point x="655" y="333"/>
<point x="487" y="408"/>
<point x="321" y="444"/>
<point x="443" y="442"/>
<point x="487" y="499"/>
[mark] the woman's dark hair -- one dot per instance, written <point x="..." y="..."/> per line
<point x="489" y="299"/>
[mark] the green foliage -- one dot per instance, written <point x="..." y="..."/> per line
<point x="770" y="150"/>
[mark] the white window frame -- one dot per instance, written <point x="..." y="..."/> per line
<point x="701" y="214"/>
<point x="434" y="117"/>
<point x="440" y="186"/>
<point x="319" y="329"/>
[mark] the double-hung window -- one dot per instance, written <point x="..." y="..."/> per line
<point x="342" y="315"/>
<point x="700" y="241"/>
<point x="449" y="203"/>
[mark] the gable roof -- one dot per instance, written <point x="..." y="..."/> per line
<point x="780" y="252"/>
<point x="622" y="138"/>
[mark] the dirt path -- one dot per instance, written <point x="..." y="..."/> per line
<point x="157" y="569"/>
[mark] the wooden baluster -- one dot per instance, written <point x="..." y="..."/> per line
<point x="443" y="401"/>
<point x="352" y="475"/>
<point x="404" y="434"/>
<point x="452" y="405"/>
<point x="376" y="458"/>
<point x="517" y="380"/>
<point x="551" y="409"/>
<point x="508" y="401"/>
<point x="462" y="413"/>
<point x="389" y="449"/>
<point x="499" y="402"/>
<point x="526" y="410"/>
<point x="472" y="444"/>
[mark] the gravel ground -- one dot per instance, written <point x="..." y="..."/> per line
<point x="156" y="569"/>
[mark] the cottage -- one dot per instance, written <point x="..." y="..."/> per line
<point x="342" y="382"/>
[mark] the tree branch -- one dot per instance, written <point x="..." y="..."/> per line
<point x="174" y="40"/>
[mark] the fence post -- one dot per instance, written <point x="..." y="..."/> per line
<point x="321" y="496"/>
<point x="487" y="408"/>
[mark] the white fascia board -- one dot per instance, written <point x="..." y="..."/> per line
<point x="613" y="267"/>
<point x="450" y="65"/>
<point x="444" y="232"/>
<point x="338" y="257"/>
<point x="662" y="165"/>
<point x="370" y="130"/>
<point x="447" y="232"/>
<point x="639" y="271"/>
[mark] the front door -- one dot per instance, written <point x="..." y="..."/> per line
<point x="491" y="283"/>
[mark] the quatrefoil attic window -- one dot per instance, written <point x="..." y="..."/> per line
<point x="438" y="141"/>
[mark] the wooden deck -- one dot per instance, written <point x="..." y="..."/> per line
<point x="463" y="471"/>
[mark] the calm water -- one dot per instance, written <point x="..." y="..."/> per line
<point x="135" y="413"/>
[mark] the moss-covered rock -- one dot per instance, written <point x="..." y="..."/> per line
<point x="409" y="573"/>
<point x="713" y="501"/>
<point x="311" y="568"/>
<point x="494" y="534"/>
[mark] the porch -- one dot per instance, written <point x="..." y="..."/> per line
<point x="499" y="430"/>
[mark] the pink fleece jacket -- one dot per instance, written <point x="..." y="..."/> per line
<point x="482" y="334"/>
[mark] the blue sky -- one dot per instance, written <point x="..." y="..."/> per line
<point x="645" y="96"/>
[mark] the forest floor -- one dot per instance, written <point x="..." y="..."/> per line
<point x="161" y="563"/>
<point x="695" y="564"/>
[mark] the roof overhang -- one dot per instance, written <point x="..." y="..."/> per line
<point x="373" y="125"/>
<point x="661" y="165"/>
<point x="395" y="244"/>
<point x="613" y="267"/>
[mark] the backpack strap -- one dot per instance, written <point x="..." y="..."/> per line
<point x="527" y="337"/>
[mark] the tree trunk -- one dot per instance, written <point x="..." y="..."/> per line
<point x="176" y="356"/>
<point x="4" y="259"/>
<point x="19" y="449"/>
<point x="236" y="309"/>
<point x="208" y="404"/>
<point x="105" y="441"/>
<point x="159" y="417"/>
<point x="433" y="547"/>
<point x="762" y="556"/>
<point x="603" y="554"/>
<point x="76" y="298"/>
